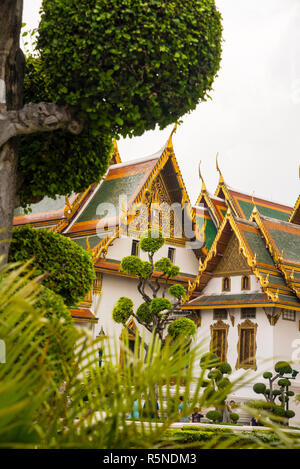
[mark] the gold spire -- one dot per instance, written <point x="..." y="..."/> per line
<point x="201" y="177"/>
<point x="170" y="143"/>
<point x="218" y="169"/>
<point x="254" y="211"/>
<point x="115" y="153"/>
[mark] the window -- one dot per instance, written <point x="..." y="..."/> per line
<point x="171" y="254"/>
<point x="135" y="248"/>
<point x="289" y="314"/>
<point x="247" y="345"/>
<point x="226" y="284"/>
<point x="245" y="282"/>
<point x="248" y="313"/>
<point x="218" y="343"/>
<point x="128" y="338"/>
<point x="220" y="314"/>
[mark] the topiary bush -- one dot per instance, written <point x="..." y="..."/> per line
<point x="143" y="314"/>
<point x="272" y="393"/>
<point x="182" y="327"/>
<point x="122" y="310"/>
<point x="214" y="415"/>
<point x="159" y="304"/>
<point x="234" y="417"/>
<point x="68" y="269"/>
<point x="151" y="241"/>
<point x="178" y="291"/>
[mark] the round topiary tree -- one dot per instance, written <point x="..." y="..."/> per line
<point x="67" y="268"/>
<point x="214" y="415"/>
<point x="271" y="394"/>
<point x="155" y="311"/>
<point x="217" y="385"/>
<point x="140" y="64"/>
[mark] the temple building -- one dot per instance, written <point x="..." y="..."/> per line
<point x="240" y="263"/>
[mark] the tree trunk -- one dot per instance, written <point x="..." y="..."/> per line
<point x="8" y="175"/>
<point x="11" y="98"/>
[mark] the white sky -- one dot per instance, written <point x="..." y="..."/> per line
<point x="253" y="120"/>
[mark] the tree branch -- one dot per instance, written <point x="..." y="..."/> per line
<point x="41" y="117"/>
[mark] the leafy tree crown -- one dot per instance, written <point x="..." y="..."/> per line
<point x="68" y="269"/>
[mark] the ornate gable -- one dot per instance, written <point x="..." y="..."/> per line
<point x="232" y="261"/>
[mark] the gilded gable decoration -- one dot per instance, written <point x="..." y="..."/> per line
<point x="232" y="262"/>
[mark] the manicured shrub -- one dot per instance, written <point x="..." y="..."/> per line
<point x="69" y="269"/>
<point x="283" y="367"/>
<point x="178" y="291"/>
<point x="225" y="368"/>
<point x="209" y="360"/>
<point x="151" y="241"/>
<point x="159" y="304"/>
<point x="143" y="313"/>
<point x="131" y="265"/>
<point x="122" y="310"/>
<point x="259" y="388"/>
<point x="182" y="327"/>
<point x="214" y="415"/>
<point x="234" y="417"/>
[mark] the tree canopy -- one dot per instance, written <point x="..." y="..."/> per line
<point x="69" y="270"/>
<point x="155" y="311"/>
<point x="123" y="67"/>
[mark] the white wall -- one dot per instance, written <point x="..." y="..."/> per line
<point x="214" y="286"/>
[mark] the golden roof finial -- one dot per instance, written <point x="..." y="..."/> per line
<point x="170" y="143"/>
<point x="218" y="169"/>
<point x="115" y="153"/>
<point x="201" y="177"/>
<point x="88" y="247"/>
<point x="254" y="211"/>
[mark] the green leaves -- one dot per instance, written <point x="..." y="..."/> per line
<point x="182" y="327"/>
<point x="143" y="313"/>
<point x="122" y="310"/>
<point x="68" y="269"/>
<point x="151" y="241"/>
<point x="135" y="40"/>
<point x="159" y="304"/>
<point x="178" y="291"/>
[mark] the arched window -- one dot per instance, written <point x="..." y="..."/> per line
<point x="245" y="282"/>
<point x="226" y="284"/>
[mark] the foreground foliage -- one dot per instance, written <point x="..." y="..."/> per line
<point x="68" y="269"/>
<point x="88" y="406"/>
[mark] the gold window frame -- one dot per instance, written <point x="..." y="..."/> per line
<point x="246" y="325"/>
<point x="219" y="325"/>
<point x="244" y="277"/>
<point x="223" y="284"/>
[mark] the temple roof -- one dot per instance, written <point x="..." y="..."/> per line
<point x="84" y="315"/>
<point x="295" y="215"/>
<point x="253" y="247"/>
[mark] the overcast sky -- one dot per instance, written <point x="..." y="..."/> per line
<point x="253" y="119"/>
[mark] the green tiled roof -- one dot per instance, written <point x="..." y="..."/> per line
<point x="289" y="242"/>
<point x="276" y="280"/>
<point x="258" y="246"/>
<point x="286" y="299"/>
<point x="209" y="232"/>
<point x="44" y="206"/>
<point x="247" y="208"/>
<point x="109" y="192"/>
<point x="93" y="240"/>
<point x="230" y="300"/>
